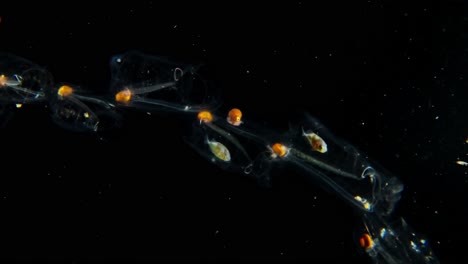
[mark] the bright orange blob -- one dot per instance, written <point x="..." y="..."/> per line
<point x="366" y="241"/>
<point x="3" y="80"/>
<point x="234" y="117"/>
<point x="123" y="96"/>
<point x="65" y="90"/>
<point x="279" y="150"/>
<point x="205" y="116"/>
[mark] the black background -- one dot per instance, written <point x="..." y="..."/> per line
<point x="390" y="78"/>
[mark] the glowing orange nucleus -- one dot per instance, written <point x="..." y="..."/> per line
<point x="124" y="96"/>
<point x="366" y="241"/>
<point x="3" y="80"/>
<point x="65" y="90"/>
<point x="205" y="116"/>
<point x="279" y="150"/>
<point x="234" y="117"/>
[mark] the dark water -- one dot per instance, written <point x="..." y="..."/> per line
<point x="389" y="78"/>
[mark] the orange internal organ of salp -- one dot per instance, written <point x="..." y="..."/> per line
<point x="279" y="150"/>
<point x="366" y="241"/>
<point x="205" y="116"/>
<point x="3" y="80"/>
<point x="65" y="90"/>
<point x="235" y="117"/>
<point x="124" y="96"/>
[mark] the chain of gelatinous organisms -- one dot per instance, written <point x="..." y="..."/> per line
<point x="232" y="142"/>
